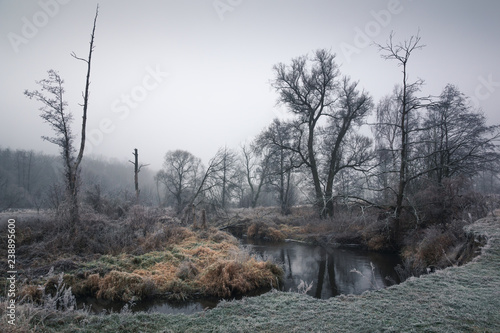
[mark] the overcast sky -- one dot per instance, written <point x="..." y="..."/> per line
<point x="195" y="75"/>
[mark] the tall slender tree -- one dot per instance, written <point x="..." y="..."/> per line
<point x="54" y="111"/>
<point x="256" y="163"/>
<point x="280" y="161"/>
<point x="408" y="103"/>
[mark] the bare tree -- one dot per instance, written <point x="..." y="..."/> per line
<point x="208" y="179"/>
<point x="407" y="104"/>
<point x="314" y="92"/>
<point x="24" y="162"/>
<point x="308" y="93"/>
<point x="220" y="179"/>
<point x="281" y="162"/>
<point x="54" y="111"/>
<point x="457" y="139"/>
<point x="180" y="175"/>
<point x="344" y="148"/>
<point x="257" y="165"/>
<point x="229" y="175"/>
<point x="386" y="133"/>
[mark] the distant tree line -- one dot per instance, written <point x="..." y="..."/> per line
<point x="253" y="176"/>
<point x="30" y="179"/>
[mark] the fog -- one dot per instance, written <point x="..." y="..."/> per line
<point x="195" y="75"/>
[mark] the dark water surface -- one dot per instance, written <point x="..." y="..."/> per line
<point x="332" y="272"/>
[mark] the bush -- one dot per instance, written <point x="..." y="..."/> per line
<point x="434" y="247"/>
<point x="449" y="201"/>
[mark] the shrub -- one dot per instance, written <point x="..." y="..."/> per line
<point x="434" y="245"/>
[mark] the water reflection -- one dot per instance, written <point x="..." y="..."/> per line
<point x="332" y="271"/>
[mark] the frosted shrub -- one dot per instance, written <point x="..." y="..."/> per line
<point x="304" y="287"/>
<point x="63" y="299"/>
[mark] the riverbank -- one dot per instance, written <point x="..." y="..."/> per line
<point x="455" y="299"/>
<point x="422" y="246"/>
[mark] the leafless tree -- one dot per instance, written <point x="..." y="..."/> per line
<point x="386" y="133"/>
<point x="54" y="111"/>
<point x="314" y="92"/>
<point x="457" y="140"/>
<point x="24" y="163"/>
<point x="282" y="161"/>
<point x="345" y="149"/>
<point x="407" y="104"/>
<point x="219" y="181"/>
<point x="180" y="174"/>
<point x="229" y="175"/>
<point x="257" y="165"/>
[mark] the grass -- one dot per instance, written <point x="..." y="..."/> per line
<point x="204" y="262"/>
<point x="455" y="299"/>
<point x="139" y="256"/>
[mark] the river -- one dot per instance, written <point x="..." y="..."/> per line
<point x="328" y="272"/>
<point x="331" y="271"/>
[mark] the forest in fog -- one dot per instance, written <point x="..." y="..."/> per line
<point x="338" y="145"/>
<point x="450" y="143"/>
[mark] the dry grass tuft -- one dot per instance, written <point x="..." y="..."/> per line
<point x="187" y="271"/>
<point x="227" y="278"/>
<point x="121" y="286"/>
<point x="378" y="242"/>
<point x="30" y="292"/>
<point x="253" y="231"/>
<point x="176" y="272"/>
<point x="275" y="234"/>
<point x="265" y="230"/>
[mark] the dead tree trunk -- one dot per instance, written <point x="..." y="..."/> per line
<point x="74" y="170"/>
<point x="137" y="169"/>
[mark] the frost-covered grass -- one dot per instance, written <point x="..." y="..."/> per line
<point x="456" y="299"/>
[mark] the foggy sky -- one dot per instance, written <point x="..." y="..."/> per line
<point x="195" y="75"/>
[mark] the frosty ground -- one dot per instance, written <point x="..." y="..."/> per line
<point x="456" y="299"/>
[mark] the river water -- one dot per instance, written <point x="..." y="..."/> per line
<point x="329" y="272"/>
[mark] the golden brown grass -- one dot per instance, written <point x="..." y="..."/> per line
<point x="120" y="286"/>
<point x="262" y="230"/>
<point x="202" y="262"/>
<point x="225" y="278"/>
